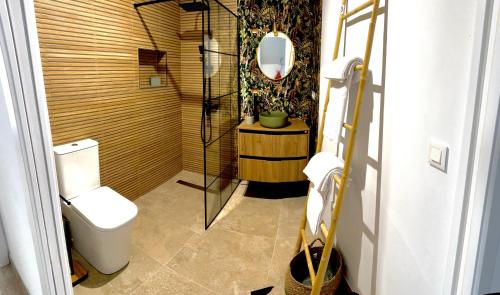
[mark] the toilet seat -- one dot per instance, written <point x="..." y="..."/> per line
<point x="104" y="208"/>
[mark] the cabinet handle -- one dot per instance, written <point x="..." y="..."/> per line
<point x="272" y="158"/>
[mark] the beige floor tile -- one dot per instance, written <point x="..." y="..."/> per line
<point x="187" y="210"/>
<point x="140" y="268"/>
<point x="222" y="246"/>
<point x="253" y="216"/>
<point x="184" y="204"/>
<point x="189" y="176"/>
<point x="82" y="290"/>
<point x="160" y="239"/>
<point x="235" y="201"/>
<point x="96" y="283"/>
<point x="10" y="283"/>
<point x="283" y="253"/>
<point x="176" y="189"/>
<point x="290" y="216"/>
<point x="226" y="262"/>
<point x="166" y="281"/>
<point x="277" y="290"/>
<point x="153" y="203"/>
<point x="218" y="276"/>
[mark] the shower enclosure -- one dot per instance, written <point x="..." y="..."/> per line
<point x="221" y="105"/>
<point x="218" y="46"/>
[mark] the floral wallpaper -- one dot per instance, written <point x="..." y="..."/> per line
<point x="301" y="21"/>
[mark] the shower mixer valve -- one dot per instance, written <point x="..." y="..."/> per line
<point x="211" y="107"/>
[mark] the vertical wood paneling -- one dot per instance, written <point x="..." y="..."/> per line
<point x="90" y="63"/>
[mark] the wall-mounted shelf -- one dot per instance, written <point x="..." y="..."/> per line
<point x="152" y="68"/>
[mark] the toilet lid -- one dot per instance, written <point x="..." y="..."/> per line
<point x="104" y="208"/>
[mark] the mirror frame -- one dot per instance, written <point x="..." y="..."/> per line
<point x="281" y="34"/>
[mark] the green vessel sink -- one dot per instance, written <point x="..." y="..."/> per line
<point x="273" y="119"/>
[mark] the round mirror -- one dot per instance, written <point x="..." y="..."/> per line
<point x="275" y="55"/>
<point x="212" y="58"/>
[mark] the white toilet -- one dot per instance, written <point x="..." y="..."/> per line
<point x="101" y="219"/>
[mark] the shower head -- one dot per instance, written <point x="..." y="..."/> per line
<point x="194" y="6"/>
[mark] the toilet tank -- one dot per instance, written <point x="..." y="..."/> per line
<point x="77" y="165"/>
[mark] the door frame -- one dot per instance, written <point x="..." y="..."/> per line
<point x="478" y="151"/>
<point x="19" y="43"/>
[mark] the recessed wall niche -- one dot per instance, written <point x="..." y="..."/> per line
<point x="152" y="68"/>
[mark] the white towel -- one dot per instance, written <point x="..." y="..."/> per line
<point x="315" y="208"/>
<point x="341" y="72"/>
<point x="320" y="171"/>
<point x="342" y="67"/>
<point x="321" y="168"/>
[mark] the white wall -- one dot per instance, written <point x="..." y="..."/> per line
<point x="394" y="230"/>
<point x="14" y="203"/>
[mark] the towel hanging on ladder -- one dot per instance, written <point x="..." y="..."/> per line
<point x="341" y="72"/>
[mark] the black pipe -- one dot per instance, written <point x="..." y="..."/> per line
<point x="67" y="236"/>
<point x="65" y="200"/>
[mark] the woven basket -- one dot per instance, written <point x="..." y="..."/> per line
<point x="298" y="272"/>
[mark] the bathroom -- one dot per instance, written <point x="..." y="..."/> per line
<point x="170" y="145"/>
<point x="182" y="141"/>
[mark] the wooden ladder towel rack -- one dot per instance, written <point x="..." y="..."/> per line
<point x="329" y="233"/>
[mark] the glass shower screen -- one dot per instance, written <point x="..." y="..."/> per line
<point x="220" y="106"/>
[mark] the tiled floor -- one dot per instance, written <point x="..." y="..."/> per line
<point x="248" y="247"/>
<point x="10" y="283"/>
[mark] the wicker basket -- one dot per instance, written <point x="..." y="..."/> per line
<point x="298" y="272"/>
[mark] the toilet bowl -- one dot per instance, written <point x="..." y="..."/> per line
<point x="101" y="219"/>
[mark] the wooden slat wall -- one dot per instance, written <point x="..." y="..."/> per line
<point x="89" y="57"/>
<point x="192" y="88"/>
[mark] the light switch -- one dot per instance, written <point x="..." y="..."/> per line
<point x="438" y="155"/>
<point x="435" y="155"/>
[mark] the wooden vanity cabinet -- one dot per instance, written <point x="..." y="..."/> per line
<point x="273" y="155"/>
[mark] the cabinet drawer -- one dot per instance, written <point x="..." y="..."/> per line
<point x="268" y="145"/>
<point x="272" y="171"/>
